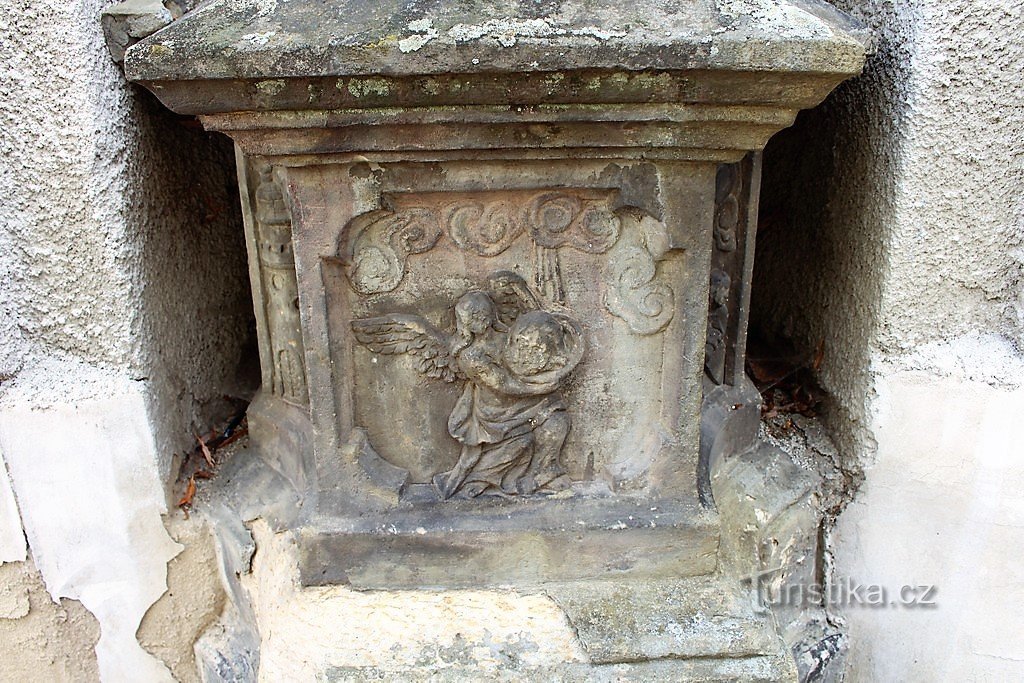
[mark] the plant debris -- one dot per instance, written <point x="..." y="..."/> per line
<point x="202" y="462"/>
<point x="207" y="455"/>
<point x="190" y="493"/>
<point x="786" y="379"/>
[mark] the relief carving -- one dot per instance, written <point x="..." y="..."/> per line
<point x="281" y="294"/>
<point x="726" y="260"/>
<point x="557" y="220"/>
<point x="512" y="357"/>
<point x="727" y="208"/>
<point x="718" y="320"/>
<point x="486" y="228"/>
<point x="382" y="241"/>
<point x="646" y="305"/>
<point x="488" y="223"/>
<point x="378" y="243"/>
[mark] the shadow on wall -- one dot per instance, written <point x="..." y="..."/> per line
<point x="825" y="223"/>
<point x="196" y="323"/>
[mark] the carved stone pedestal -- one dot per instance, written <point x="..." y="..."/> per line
<point x="501" y="260"/>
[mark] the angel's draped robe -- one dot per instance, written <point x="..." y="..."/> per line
<point x="496" y="430"/>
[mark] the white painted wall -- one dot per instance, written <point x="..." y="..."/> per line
<point x="84" y="468"/>
<point x="941" y="506"/>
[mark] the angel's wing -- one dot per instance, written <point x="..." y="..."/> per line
<point x="397" y="334"/>
<point x="511" y="295"/>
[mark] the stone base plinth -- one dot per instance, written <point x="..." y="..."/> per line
<point x="698" y="629"/>
<point x="759" y="669"/>
<point x="511" y="542"/>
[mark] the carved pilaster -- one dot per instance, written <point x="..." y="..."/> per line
<point x="731" y="409"/>
<point x="273" y="227"/>
<point x="731" y="264"/>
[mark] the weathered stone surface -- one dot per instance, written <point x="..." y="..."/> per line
<point x="309" y="77"/>
<point x="126" y="23"/>
<point x="458" y="406"/>
<point x="501" y="257"/>
<point x="665" y="619"/>
<point x="400" y="38"/>
<point x="482" y="300"/>
<point x="747" y="669"/>
<point x="512" y="543"/>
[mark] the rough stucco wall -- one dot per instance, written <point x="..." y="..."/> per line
<point x="124" y="314"/>
<point x="958" y="247"/>
<point x="189" y="264"/>
<point x="59" y="215"/>
<point x="892" y="215"/>
<point x="829" y="203"/>
<point x="120" y="224"/>
<point x="893" y="225"/>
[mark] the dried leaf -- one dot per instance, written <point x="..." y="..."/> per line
<point x="768" y="372"/>
<point x="190" y="493"/>
<point x="204" y="474"/>
<point x="207" y="455"/>
<point x="819" y="356"/>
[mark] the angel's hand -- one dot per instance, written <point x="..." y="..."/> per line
<point x="546" y="377"/>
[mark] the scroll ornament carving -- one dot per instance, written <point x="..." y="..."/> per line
<point x="512" y="357"/>
<point x="718" y="320"/>
<point x="484" y="223"/>
<point x="382" y="241"/>
<point x="487" y="223"/>
<point x="635" y="295"/>
<point x="281" y="292"/>
<point x="486" y="228"/>
<point x="562" y="220"/>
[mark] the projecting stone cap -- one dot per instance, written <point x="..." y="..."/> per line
<point x="264" y="39"/>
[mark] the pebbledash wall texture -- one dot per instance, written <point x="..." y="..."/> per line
<point x="892" y="228"/>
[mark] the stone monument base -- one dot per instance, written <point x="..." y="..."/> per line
<point x="518" y="542"/>
<point x="394" y="605"/>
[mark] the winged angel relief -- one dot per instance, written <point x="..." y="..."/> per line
<point x="513" y="356"/>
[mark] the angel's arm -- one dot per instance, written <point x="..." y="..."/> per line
<point x="497" y="377"/>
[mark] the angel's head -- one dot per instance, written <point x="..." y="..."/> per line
<point x="475" y="313"/>
<point x="720" y="284"/>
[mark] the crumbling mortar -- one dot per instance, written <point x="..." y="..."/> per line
<point x="841" y="481"/>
